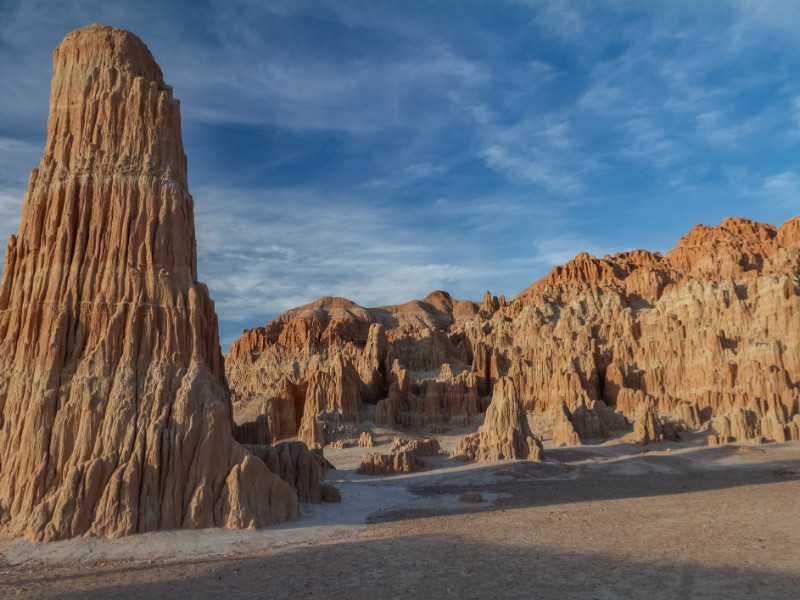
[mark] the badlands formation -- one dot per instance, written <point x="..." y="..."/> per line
<point x="705" y="338"/>
<point x="602" y="434"/>
<point x="115" y="417"/>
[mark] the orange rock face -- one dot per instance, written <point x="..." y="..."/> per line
<point x="114" y="414"/>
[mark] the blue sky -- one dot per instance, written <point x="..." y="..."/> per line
<point x="380" y="150"/>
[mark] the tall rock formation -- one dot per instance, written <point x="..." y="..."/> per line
<point x="114" y="413"/>
<point x="505" y="433"/>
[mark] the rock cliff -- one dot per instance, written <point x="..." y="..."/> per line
<point x="114" y="413"/>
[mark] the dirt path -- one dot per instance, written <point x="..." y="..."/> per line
<point x="595" y="522"/>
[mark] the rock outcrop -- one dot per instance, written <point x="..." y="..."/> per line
<point x="647" y="426"/>
<point x="404" y="461"/>
<point x="759" y="421"/>
<point x="295" y="464"/>
<point x="341" y="357"/>
<point x="421" y="447"/>
<point x="564" y="433"/>
<point x="710" y="327"/>
<point x="114" y="413"/>
<point x="366" y="440"/>
<point x="505" y="433"/>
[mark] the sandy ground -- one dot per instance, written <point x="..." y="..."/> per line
<point x="601" y="521"/>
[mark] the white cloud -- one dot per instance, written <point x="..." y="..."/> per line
<point x="263" y="252"/>
<point x="783" y="189"/>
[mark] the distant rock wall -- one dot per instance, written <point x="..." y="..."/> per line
<point x="711" y="327"/>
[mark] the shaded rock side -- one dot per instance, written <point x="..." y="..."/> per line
<point x="421" y="447"/>
<point x="404" y="461"/>
<point x="564" y="433"/>
<point x="505" y="433"/>
<point x="301" y="468"/>
<point x="647" y="426"/>
<point x="114" y="413"/>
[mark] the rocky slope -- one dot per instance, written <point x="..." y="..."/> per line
<point x="115" y="417"/>
<point x="319" y="367"/>
<point x="707" y="336"/>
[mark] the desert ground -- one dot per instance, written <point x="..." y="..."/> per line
<point x="612" y="520"/>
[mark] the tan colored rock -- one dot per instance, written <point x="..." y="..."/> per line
<point x="788" y="235"/>
<point x="115" y="414"/>
<point x="383" y="415"/>
<point x="366" y="440"/>
<point x="740" y="424"/>
<point x="505" y="433"/>
<point x="420" y="446"/>
<point x="285" y="409"/>
<point x="343" y="443"/>
<point x="712" y="326"/>
<point x="689" y="415"/>
<point x="335" y="391"/>
<point x="589" y="424"/>
<point x="486" y="306"/>
<point x="369" y="364"/>
<point x="647" y="426"/>
<point x="376" y="463"/>
<point x="612" y="419"/>
<point x="564" y="433"/>
<point x="299" y="467"/>
<point x="794" y="429"/>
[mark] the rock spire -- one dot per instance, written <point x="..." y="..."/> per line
<point x="114" y="413"/>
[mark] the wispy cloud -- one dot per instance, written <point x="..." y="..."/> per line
<point x="783" y="189"/>
<point x="281" y="248"/>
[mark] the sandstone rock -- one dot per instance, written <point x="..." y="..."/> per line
<point x="115" y="414"/>
<point x="564" y="433"/>
<point x="612" y="419"/>
<point x="254" y="432"/>
<point x="740" y="424"/>
<point x="420" y="447"/>
<point x="344" y="443"/>
<point x="335" y="391"/>
<point x="712" y="326"/>
<point x="689" y="415"/>
<point x="366" y="440"/>
<point x="647" y="426"/>
<point x="794" y="429"/>
<point x="505" y="433"/>
<point x="297" y="466"/>
<point x="331" y="494"/>
<point x="716" y="440"/>
<point x="589" y="424"/>
<point x="471" y="497"/>
<point x="383" y="415"/>
<point x="376" y="463"/>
